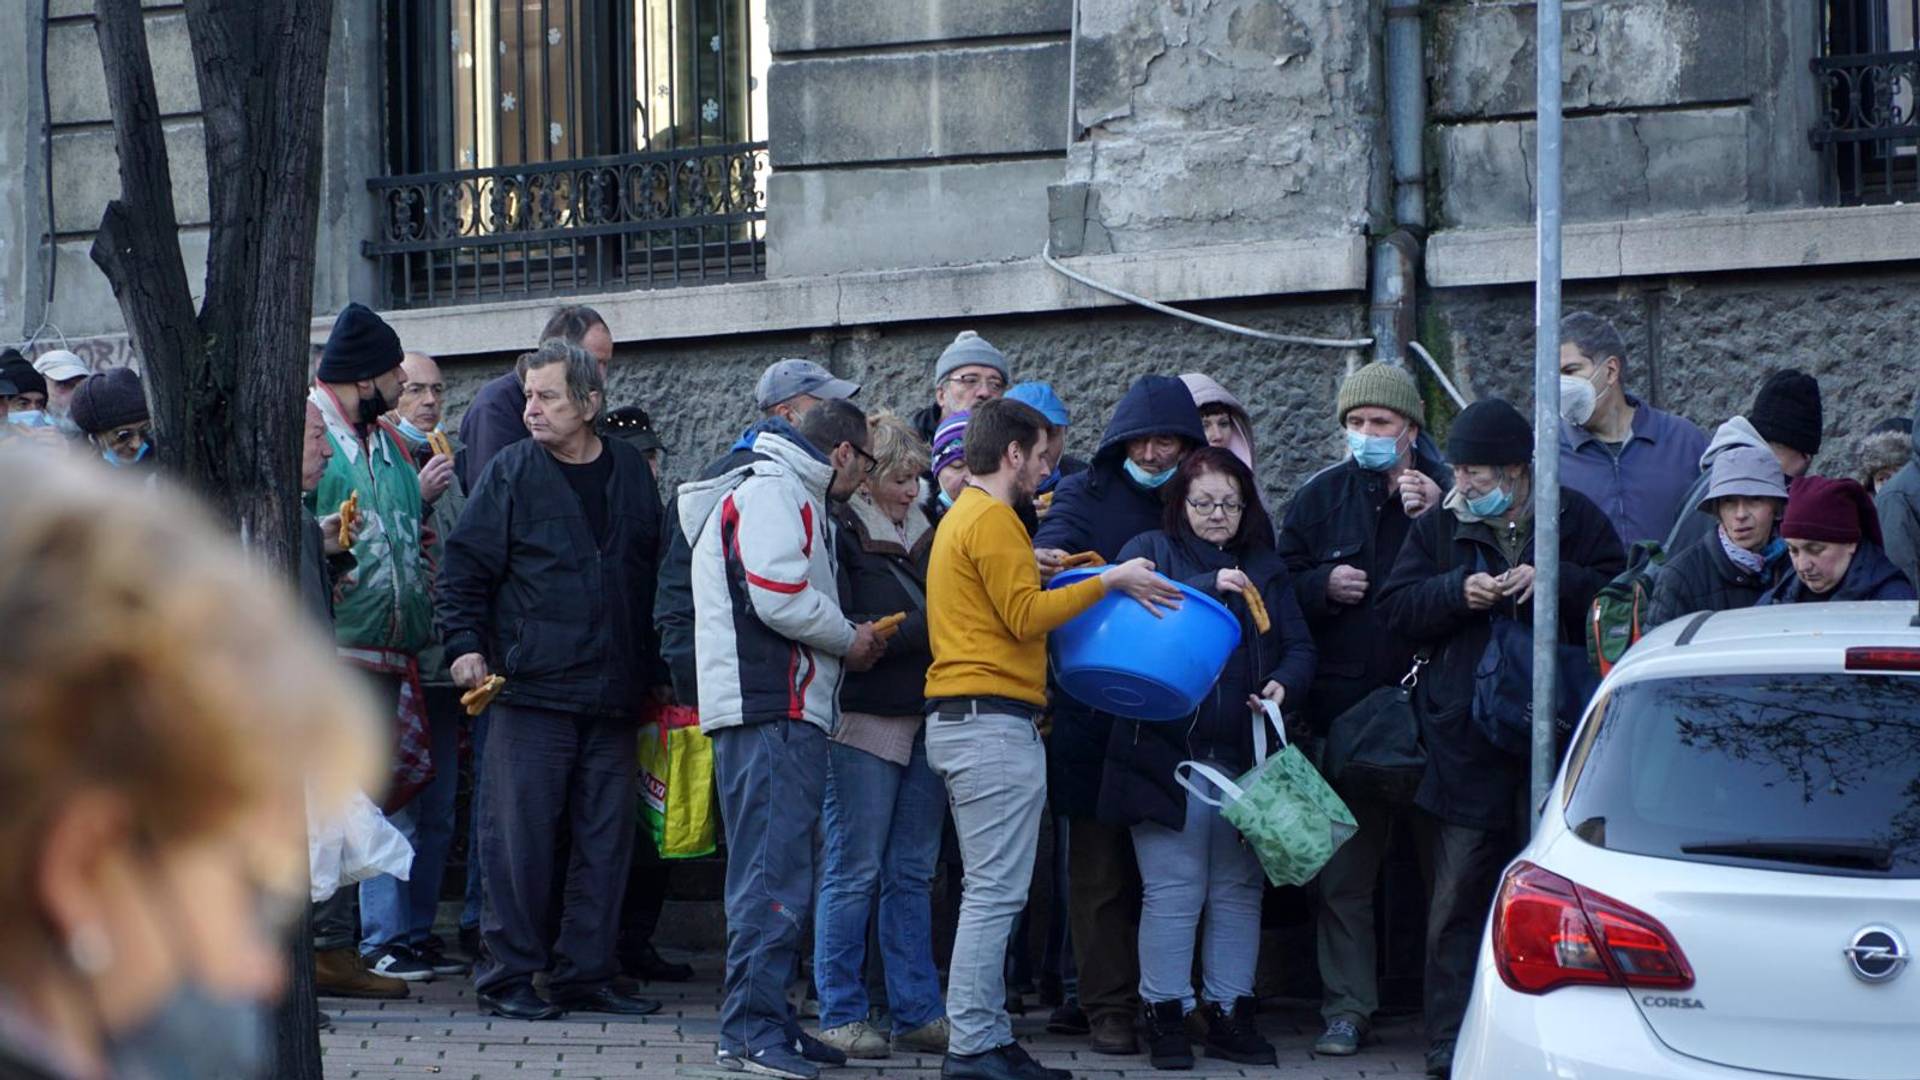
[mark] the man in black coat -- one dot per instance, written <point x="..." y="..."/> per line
<point x="1458" y="569"/>
<point x="548" y="581"/>
<point x="1339" y="539"/>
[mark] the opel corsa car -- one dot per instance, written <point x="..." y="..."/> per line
<point x="1726" y="881"/>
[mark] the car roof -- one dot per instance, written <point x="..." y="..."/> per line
<point x="1790" y="637"/>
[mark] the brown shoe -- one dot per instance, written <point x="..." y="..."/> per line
<point x="342" y="973"/>
<point x="1113" y="1034"/>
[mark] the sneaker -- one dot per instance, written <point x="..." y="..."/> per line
<point x="856" y="1040"/>
<point x="1341" y="1039"/>
<point x="1440" y="1059"/>
<point x="343" y="973"/>
<point x="778" y="1061"/>
<point x="398" y="962"/>
<point x="812" y="1049"/>
<point x="730" y="1060"/>
<point x="928" y="1038"/>
<point x="433" y="953"/>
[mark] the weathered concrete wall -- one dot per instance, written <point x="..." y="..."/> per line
<point x="1217" y="121"/>
<point x="1680" y="107"/>
<point x="22" y="187"/>
<point x="1701" y="346"/>
<point x="701" y="392"/>
<point x="905" y="135"/>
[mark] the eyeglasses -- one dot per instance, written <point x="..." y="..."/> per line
<point x="873" y="463"/>
<point x="973" y="381"/>
<point x="129" y="437"/>
<point x="1206" y="507"/>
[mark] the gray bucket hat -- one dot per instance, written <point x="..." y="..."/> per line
<point x="1744" y="470"/>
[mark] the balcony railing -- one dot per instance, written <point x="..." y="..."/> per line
<point x="1868" y="134"/>
<point x="628" y="221"/>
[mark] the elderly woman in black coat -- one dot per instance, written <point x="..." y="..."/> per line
<point x="1217" y="539"/>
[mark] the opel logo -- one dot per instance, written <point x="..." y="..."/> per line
<point x="1877" y="954"/>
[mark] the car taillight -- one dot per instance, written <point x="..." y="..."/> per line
<point x="1549" y="932"/>
<point x="1882" y="658"/>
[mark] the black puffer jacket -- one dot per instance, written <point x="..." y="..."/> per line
<point x="1347" y="515"/>
<point x="1137" y="781"/>
<point x="567" y="621"/>
<point x="1468" y="781"/>
<point x="873" y="564"/>
<point x="1870" y="576"/>
<point x="1704" y="578"/>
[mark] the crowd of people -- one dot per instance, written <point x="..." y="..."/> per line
<point x="857" y="603"/>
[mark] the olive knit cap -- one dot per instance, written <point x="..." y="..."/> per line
<point x="1386" y="386"/>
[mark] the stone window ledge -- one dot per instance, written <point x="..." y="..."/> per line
<point x="1025" y="286"/>
<point x="1681" y="245"/>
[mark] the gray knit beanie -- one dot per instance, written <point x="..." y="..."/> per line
<point x="967" y="350"/>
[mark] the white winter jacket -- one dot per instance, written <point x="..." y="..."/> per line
<point x="768" y="631"/>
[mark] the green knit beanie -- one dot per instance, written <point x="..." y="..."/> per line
<point x="1387" y="386"/>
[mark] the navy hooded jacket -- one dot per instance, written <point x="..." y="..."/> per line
<point x="1100" y="510"/>
<point x="1870" y="576"/>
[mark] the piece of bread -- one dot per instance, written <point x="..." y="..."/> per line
<point x="1083" y="559"/>
<point x="1257" y="605"/>
<point x="477" y="699"/>
<point x="890" y="625"/>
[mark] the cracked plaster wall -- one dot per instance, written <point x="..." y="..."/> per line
<point x="1218" y="121"/>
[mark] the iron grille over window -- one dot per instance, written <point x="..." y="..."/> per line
<point x="545" y="147"/>
<point x="1867" y="72"/>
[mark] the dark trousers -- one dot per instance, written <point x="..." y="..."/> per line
<point x="1466" y="872"/>
<point x="1105" y="898"/>
<point x="646" y="897"/>
<point x="1349" y="957"/>
<point x="548" y="773"/>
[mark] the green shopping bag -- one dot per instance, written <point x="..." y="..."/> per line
<point x="1285" y="810"/>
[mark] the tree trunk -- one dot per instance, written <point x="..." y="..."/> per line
<point x="225" y="383"/>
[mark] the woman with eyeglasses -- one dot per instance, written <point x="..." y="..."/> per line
<point x="170" y="720"/>
<point x="1215" y="538"/>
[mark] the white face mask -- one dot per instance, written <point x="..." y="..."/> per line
<point x="1577" y="399"/>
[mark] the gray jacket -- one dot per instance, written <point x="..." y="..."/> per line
<point x="1899" y="507"/>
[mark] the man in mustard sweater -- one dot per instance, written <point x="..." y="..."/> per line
<point x="988" y="620"/>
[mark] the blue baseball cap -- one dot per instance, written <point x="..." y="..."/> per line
<point x="1040" y="395"/>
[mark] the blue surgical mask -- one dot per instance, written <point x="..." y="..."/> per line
<point x="145" y="449"/>
<point x="1146" y="479"/>
<point x="946" y="500"/>
<point x="1375" y="453"/>
<point x="1492" y="504"/>
<point x="29" y="418"/>
<point x="413" y="434"/>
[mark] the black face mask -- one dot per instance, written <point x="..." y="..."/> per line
<point x="373" y="408"/>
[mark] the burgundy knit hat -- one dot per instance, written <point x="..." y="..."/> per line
<point x="1836" y="511"/>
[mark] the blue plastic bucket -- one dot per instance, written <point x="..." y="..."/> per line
<point x="1118" y="658"/>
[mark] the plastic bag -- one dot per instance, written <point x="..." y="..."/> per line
<point x="352" y="845"/>
<point x="676" y="782"/>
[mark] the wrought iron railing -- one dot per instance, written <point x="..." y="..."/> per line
<point x="1868" y="133"/>
<point x="625" y="221"/>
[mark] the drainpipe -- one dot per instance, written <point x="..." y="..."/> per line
<point x="1396" y="257"/>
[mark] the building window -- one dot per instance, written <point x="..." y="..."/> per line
<point x="550" y="147"/>
<point x="1866" y="75"/>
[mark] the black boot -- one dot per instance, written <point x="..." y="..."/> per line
<point x="1232" y="1036"/>
<point x="1167" y="1042"/>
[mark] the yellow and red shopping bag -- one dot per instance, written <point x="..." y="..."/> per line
<point x="676" y="783"/>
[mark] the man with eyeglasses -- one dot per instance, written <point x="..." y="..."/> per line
<point x="770" y="642"/>
<point x="110" y="409"/>
<point x="969" y="373"/>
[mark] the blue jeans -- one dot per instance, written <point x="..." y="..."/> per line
<point x="476" y="888"/>
<point x="771" y="779"/>
<point x="1202" y="867"/>
<point x="395" y="912"/>
<point x="883" y="834"/>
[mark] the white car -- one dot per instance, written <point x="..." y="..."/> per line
<point x="1726" y="882"/>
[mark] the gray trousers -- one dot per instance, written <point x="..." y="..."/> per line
<point x="1466" y="872"/>
<point x="1203" y="868"/>
<point x="548" y="772"/>
<point x="995" y="769"/>
<point x="772" y="781"/>
<point x="1349" y="961"/>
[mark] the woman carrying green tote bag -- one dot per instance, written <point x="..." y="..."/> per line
<point x="1282" y="806"/>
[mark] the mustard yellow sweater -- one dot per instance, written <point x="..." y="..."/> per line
<point x="987" y="616"/>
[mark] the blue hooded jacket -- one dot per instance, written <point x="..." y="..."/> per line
<point x="1100" y="510"/>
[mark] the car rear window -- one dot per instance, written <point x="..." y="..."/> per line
<point x="1814" y="772"/>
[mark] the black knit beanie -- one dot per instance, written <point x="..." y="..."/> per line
<point x="111" y="399"/>
<point x="1787" y="410"/>
<point x="1489" y="432"/>
<point x="362" y="346"/>
<point x="18" y="370"/>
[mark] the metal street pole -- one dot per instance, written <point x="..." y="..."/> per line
<point x="1546" y="407"/>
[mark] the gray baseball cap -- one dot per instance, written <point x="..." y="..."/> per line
<point x="1745" y="470"/>
<point x="789" y="378"/>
